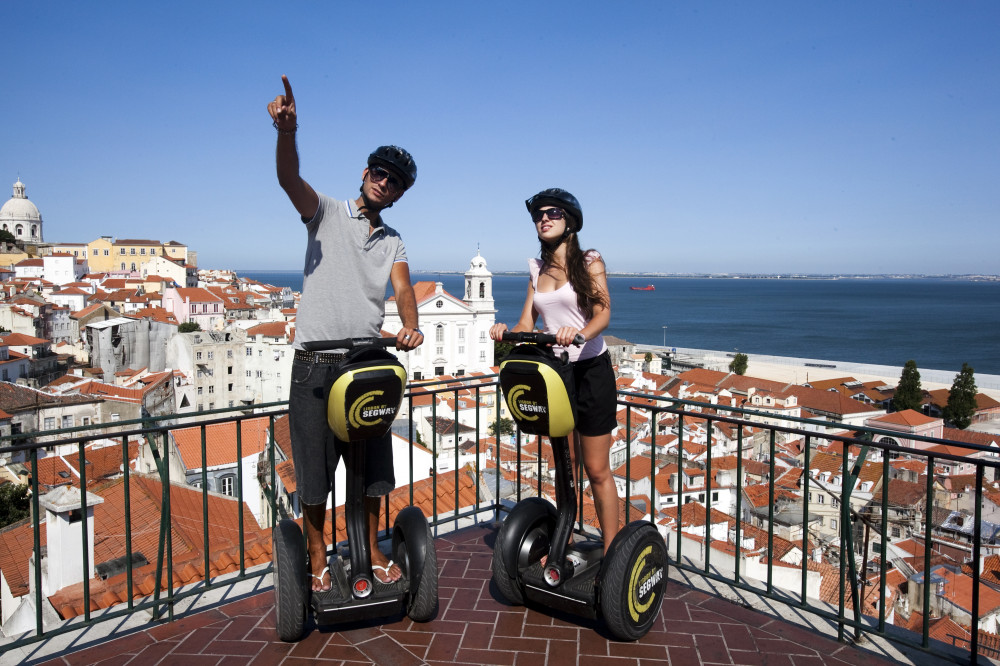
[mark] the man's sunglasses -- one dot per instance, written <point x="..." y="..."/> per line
<point x="552" y="213"/>
<point x="377" y="174"/>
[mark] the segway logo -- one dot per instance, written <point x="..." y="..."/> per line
<point x="641" y="585"/>
<point x="362" y="413"/>
<point x="524" y="409"/>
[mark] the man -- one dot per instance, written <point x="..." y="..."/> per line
<point x="350" y="257"/>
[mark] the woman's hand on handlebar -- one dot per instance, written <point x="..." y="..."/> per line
<point x="408" y="339"/>
<point x="567" y="335"/>
<point x="497" y="331"/>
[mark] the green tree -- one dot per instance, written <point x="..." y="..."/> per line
<point x="909" y="394"/>
<point x="739" y="364"/>
<point x="648" y="358"/>
<point x="500" y="350"/>
<point x="188" y="327"/>
<point x="14" y="504"/>
<point x="961" y="405"/>
<point x="7" y="236"/>
<point x="501" y="427"/>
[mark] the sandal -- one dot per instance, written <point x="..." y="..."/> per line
<point x="384" y="570"/>
<point x="323" y="588"/>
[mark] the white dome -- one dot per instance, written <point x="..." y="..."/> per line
<point x="18" y="208"/>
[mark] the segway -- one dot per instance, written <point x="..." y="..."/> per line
<point x="364" y="397"/>
<point x="625" y="588"/>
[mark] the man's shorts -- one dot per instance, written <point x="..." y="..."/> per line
<point x="596" y="396"/>
<point x="315" y="450"/>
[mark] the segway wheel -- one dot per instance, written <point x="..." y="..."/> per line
<point x="414" y="550"/>
<point x="289" y="556"/>
<point x="632" y="581"/>
<point x="524" y="538"/>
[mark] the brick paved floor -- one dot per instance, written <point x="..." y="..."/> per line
<point x="474" y="627"/>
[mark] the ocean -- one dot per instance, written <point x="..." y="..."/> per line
<point x="939" y="323"/>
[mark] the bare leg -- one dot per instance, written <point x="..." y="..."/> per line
<point x="314" y="518"/>
<point x="597" y="462"/>
<point x="372" y="507"/>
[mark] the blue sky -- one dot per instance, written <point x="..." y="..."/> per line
<point x="774" y="137"/>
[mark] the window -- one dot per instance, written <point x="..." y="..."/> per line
<point x="95" y="251"/>
<point x="211" y="389"/>
<point x="142" y="251"/>
<point x="199" y="390"/>
<point x="439" y="370"/>
<point x="833" y="523"/>
<point x="67" y="422"/>
<point x="249" y="352"/>
<point x="896" y="533"/>
<point x="107" y="253"/>
<point x="461" y="333"/>
<point x="122" y="252"/>
<point x="230" y="389"/>
<point x="417" y="376"/>
<point x="132" y="252"/>
<point x="439" y="334"/>
<point x="50" y="423"/>
<point x="820" y="499"/>
<point x="835" y="502"/>
<point x="482" y="356"/>
<point x="229" y="354"/>
<point x="715" y="497"/>
<point x="461" y="349"/>
<point x="482" y="336"/>
<point x="211" y="355"/>
<point x="227" y="485"/>
<point x="229" y="370"/>
<point x="197" y="356"/>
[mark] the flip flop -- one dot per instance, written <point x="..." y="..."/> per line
<point x="385" y="570"/>
<point x="323" y="588"/>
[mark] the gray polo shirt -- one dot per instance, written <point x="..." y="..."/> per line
<point x="346" y="274"/>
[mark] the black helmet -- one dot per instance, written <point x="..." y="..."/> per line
<point x="397" y="159"/>
<point x="555" y="196"/>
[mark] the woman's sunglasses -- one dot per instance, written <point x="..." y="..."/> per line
<point x="552" y="213"/>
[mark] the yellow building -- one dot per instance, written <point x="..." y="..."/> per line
<point x="130" y="255"/>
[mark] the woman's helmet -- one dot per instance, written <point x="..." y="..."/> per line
<point x="398" y="160"/>
<point x="555" y="196"/>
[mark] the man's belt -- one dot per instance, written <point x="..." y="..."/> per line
<point x="316" y="357"/>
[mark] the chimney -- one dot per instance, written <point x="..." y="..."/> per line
<point x="64" y="519"/>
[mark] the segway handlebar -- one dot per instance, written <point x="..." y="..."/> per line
<point x="538" y="338"/>
<point x="347" y="343"/>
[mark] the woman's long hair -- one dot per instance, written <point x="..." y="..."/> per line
<point x="587" y="295"/>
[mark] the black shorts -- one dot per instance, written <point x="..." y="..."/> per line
<point x="315" y="450"/>
<point x="596" y="396"/>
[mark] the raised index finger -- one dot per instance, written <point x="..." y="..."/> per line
<point x="288" y="87"/>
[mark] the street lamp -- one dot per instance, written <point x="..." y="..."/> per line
<point x="664" y="336"/>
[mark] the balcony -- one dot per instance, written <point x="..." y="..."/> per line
<point x="790" y="592"/>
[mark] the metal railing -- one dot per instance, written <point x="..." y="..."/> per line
<point x="708" y="554"/>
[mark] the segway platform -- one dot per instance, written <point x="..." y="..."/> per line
<point x="340" y="605"/>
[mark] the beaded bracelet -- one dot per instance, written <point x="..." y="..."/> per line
<point x="284" y="131"/>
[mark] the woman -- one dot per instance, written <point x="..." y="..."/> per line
<point x="569" y="289"/>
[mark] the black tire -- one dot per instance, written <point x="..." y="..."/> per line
<point x="632" y="581"/>
<point x="523" y="538"/>
<point x="416" y="534"/>
<point x="289" y="554"/>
